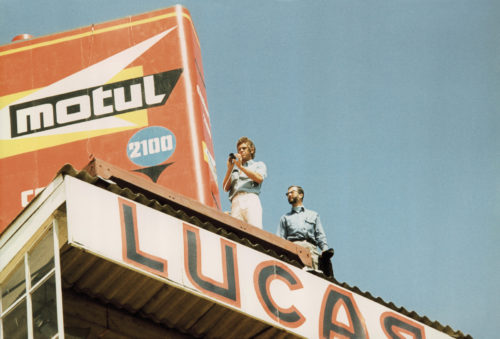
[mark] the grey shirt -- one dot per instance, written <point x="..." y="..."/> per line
<point x="303" y="224"/>
<point x="240" y="182"/>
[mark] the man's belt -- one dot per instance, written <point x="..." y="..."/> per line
<point x="303" y="239"/>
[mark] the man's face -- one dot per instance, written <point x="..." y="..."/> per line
<point x="244" y="151"/>
<point x="293" y="195"/>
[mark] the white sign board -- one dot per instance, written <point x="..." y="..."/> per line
<point x="226" y="272"/>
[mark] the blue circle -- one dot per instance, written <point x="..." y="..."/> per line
<point x="151" y="146"/>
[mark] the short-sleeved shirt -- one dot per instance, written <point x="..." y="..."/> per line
<point x="240" y="182"/>
<point x="303" y="224"/>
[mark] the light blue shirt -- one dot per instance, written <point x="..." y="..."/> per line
<point x="303" y="224"/>
<point x="240" y="182"/>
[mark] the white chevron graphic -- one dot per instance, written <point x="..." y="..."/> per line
<point x="92" y="76"/>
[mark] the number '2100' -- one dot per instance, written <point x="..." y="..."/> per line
<point x="151" y="146"/>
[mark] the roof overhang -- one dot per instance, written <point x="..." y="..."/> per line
<point x="165" y="258"/>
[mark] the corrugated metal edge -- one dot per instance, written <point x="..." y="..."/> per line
<point x="168" y="209"/>
<point x="126" y="192"/>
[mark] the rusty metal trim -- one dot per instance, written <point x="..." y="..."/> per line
<point x="99" y="168"/>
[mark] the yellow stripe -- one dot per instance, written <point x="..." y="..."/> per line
<point x="99" y="31"/>
<point x="13" y="147"/>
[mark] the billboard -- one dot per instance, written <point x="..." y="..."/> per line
<point x="238" y="277"/>
<point x="130" y="92"/>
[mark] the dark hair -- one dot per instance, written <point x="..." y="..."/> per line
<point x="249" y="144"/>
<point x="299" y="190"/>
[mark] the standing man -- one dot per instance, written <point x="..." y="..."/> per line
<point x="303" y="227"/>
<point x="243" y="180"/>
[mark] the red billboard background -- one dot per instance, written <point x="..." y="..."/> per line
<point x="129" y="91"/>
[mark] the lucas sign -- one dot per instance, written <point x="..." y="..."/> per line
<point x="230" y="274"/>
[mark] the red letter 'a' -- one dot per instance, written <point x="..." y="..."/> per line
<point x="330" y="325"/>
<point x="397" y="327"/>
<point x="228" y="290"/>
<point x="131" y="252"/>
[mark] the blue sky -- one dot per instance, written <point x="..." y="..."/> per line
<point x="386" y="112"/>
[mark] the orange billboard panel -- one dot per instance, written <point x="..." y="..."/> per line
<point x="129" y="91"/>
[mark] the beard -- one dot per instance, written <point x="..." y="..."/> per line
<point x="293" y="200"/>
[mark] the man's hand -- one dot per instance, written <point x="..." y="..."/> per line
<point x="230" y="163"/>
<point x="226" y="183"/>
<point x="238" y="160"/>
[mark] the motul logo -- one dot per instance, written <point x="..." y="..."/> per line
<point x="92" y="103"/>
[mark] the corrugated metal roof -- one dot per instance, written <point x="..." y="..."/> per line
<point x="152" y="299"/>
<point x="198" y="319"/>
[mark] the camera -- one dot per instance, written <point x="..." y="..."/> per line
<point x="232" y="156"/>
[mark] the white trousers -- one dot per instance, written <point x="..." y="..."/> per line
<point x="246" y="206"/>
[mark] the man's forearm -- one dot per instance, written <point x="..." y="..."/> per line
<point x="252" y="175"/>
<point x="226" y="183"/>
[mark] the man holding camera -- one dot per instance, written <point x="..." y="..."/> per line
<point x="303" y="227"/>
<point x="244" y="181"/>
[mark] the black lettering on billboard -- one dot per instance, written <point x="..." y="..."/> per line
<point x="92" y="103"/>
<point x="333" y="300"/>
<point x="228" y="290"/>
<point x="264" y="274"/>
<point x="130" y="242"/>
<point x="397" y="327"/>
